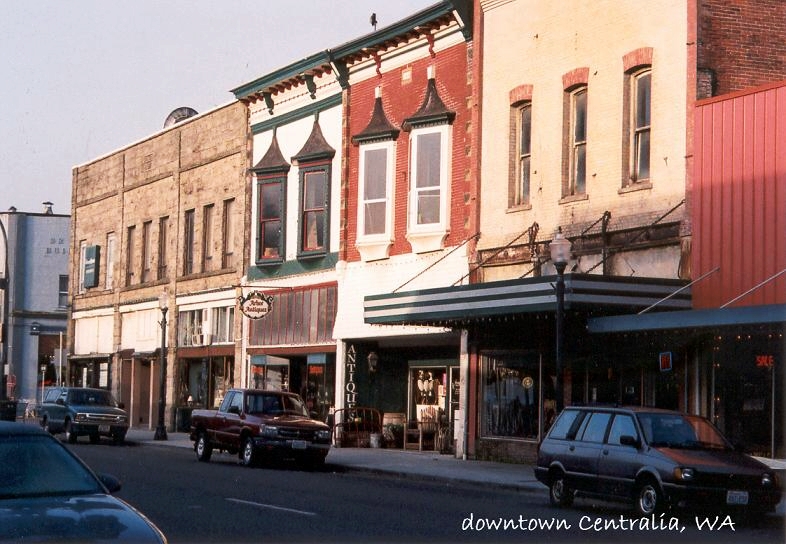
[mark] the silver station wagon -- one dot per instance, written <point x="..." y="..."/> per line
<point x="654" y="459"/>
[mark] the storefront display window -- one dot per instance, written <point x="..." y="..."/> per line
<point x="512" y="393"/>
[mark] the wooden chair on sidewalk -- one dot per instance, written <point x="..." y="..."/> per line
<point x="422" y="431"/>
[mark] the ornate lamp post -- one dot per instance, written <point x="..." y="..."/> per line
<point x="163" y="304"/>
<point x="560" y="254"/>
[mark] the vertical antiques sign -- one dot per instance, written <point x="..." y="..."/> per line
<point x="350" y="388"/>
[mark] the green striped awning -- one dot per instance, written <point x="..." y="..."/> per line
<point x="453" y="305"/>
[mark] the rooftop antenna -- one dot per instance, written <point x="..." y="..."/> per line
<point x="373" y="20"/>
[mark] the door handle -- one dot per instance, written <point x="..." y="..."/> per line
<point x="572" y="448"/>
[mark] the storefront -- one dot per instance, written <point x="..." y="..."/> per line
<point x="511" y="337"/>
<point x="732" y="370"/>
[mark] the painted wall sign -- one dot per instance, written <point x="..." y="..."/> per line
<point x="350" y="388"/>
<point x="255" y="305"/>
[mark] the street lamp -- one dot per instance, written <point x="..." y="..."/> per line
<point x="163" y="304"/>
<point x="560" y="253"/>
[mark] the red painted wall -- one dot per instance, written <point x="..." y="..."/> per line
<point x="739" y="205"/>
<point x="402" y="100"/>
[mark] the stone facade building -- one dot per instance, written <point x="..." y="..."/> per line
<point x="161" y="221"/>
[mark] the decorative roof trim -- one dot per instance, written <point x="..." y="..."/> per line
<point x="379" y="127"/>
<point x="316" y="147"/>
<point x="432" y="111"/>
<point x="273" y="161"/>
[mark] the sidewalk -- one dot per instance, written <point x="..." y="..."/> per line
<point x="407" y="464"/>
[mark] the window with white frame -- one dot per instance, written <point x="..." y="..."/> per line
<point x="375" y="199"/>
<point x="577" y="181"/>
<point x="189" y="328"/>
<point x="82" y="259"/>
<point x="222" y="322"/>
<point x="429" y="186"/>
<point x="640" y="93"/>
<point x="62" y="292"/>
<point x="520" y="190"/>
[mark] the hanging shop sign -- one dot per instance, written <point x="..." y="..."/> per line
<point x="255" y="305"/>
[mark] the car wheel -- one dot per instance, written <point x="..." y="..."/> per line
<point x="69" y="432"/>
<point x="203" y="448"/>
<point x="560" y="494"/>
<point x="248" y="454"/>
<point x="649" y="499"/>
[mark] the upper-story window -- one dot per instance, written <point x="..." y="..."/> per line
<point x="163" y="234"/>
<point x="147" y="250"/>
<point x="111" y="248"/>
<point x="82" y="259"/>
<point x="430" y="160"/>
<point x="377" y="159"/>
<point x="228" y="234"/>
<point x="62" y="292"/>
<point x="577" y="177"/>
<point x="188" y="242"/>
<point x="639" y="115"/>
<point x="270" y="239"/>
<point x="313" y="209"/>
<point x="207" y="237"/>
<point x="519" y="193"/>
<point x="130" y="254"/>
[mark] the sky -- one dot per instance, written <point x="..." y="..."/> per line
<point x="82" y="78"/>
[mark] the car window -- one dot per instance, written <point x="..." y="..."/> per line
<point x="237" y="402"/>
<point x="272" y="405"/>
<point x="622" y="425"/>
<point x="227" y="402"/>
<point x="51" y="395"/>
<point x="38" y="465"/>
<point x="567" y="421"/>
<point x="294" y="405"/>
<point x="595" y="429"/>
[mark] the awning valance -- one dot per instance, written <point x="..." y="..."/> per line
<point x="454" y="305"/>
<point x="691" y="319"/>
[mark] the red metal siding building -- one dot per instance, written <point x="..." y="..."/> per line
<point x="739" y="205"/>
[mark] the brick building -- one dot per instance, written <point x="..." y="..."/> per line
<point x="160" y="223"/>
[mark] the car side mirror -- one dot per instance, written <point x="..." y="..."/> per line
<point x="628" y="440"/>
<point x="111" y="483"/>
<point x="61" y="402"/>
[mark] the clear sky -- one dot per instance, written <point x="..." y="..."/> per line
<point x="82" y="78"/>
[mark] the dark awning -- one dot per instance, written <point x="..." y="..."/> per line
<point x="447" y="306"/>
<point x="691" y="319"/>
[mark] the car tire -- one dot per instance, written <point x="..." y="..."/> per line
<point x="248" y="453"/>
<point x="203" y="448"/>
<point x="45" y="425"/>
<point x="560" y="494"/>
<point x="649" y="499"/>
<point x="70" y="435"/>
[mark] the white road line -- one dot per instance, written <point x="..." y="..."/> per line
<point x="273" y="507"/>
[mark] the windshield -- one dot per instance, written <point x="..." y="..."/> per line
<point x="33" y="466"/>
<point x="681" y="431"/>
<point x="91" y="397"/>
<point x="275" y="404"/>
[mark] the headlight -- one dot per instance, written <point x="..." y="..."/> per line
<point x="269" y="431"/>
<point x="80" y="417"/>
<point x="767" y="479"/>
<point x="683" y="474"/>
<point x="323" y="435"/>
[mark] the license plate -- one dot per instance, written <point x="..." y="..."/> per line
<point x="736" y="497"/>
<point x="299" y="444"/>
<point x="103" y="428"/>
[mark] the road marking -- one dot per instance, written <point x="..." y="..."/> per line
<point x="273" y="507"/>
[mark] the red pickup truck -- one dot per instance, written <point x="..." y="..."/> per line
<point x="260" y="425"/>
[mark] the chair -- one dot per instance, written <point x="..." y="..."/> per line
<point x="423" y="431"/>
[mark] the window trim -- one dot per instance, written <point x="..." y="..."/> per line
<point x="259" y="258"/>
<point x="429" y="236"/>
<point x="147" y="257"/>
<point x="208" y="216"/>
<point x="303" y="173"/>
<point x="576" y="145"/>
<point x="130" y="240"/>
<point x="163" y="233"/>
<point x="517" y="197"/>
<point x="376" y="246"/>
<point x="631" y="180"/>
<point x="228" y="228"/>
<point x="189" y="228"/>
